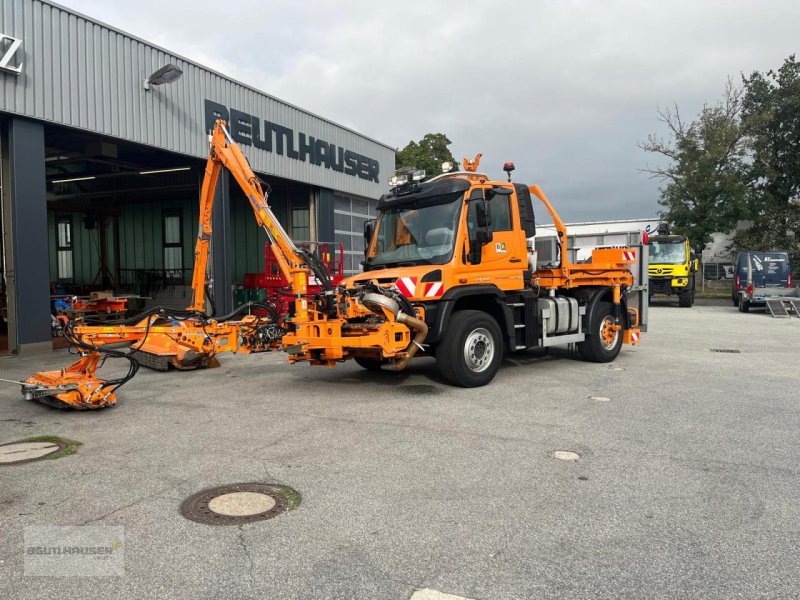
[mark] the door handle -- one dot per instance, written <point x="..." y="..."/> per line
<point x="515" y="260"/>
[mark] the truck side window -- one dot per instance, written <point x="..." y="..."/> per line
<point x="501" y="213"/>
<point x="500" y="208"/>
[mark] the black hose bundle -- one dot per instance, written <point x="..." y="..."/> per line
<point x="106" y="352"/>
<point x="322" y="274"/>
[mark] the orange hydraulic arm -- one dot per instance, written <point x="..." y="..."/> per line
<point x="608" y="266"/>
<point x="225" y="153"/>
<point x="323" y="330"/>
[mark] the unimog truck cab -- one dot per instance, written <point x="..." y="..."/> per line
<point x="457" y="249"/>
<point x="672" y="266"/>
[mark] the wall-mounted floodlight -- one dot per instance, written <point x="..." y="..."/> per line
<point x="167" y="74"/>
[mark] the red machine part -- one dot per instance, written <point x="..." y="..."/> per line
<point x="275" y="283"/>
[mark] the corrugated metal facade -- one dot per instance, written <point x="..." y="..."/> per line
<point x="82" y="74"/>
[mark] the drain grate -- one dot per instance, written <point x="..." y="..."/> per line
<point x="239" y="503"/>
<point x="725" y="350"/>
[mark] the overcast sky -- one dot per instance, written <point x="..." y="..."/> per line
<point x="565" y="89"/>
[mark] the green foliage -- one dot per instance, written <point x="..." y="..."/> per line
<point x="738" y="160"/>
<point x="771" y="112"/>
<point x="429" y="154"/>
<point x="706" y="179"/>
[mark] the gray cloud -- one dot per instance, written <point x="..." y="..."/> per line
<point x="565" y="89"/>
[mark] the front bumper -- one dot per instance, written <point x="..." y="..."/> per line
<point x="667" y="284"/>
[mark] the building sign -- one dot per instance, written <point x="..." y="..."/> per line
<point x="272" y="137"/>
<point x="8" y="54"/>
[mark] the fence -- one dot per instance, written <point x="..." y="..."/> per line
<point x="716" y="277"/>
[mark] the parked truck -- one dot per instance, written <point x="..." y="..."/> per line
<point x="764" y="279"/>
<point x="672" y="266"/>
<point x="448" y="272"/>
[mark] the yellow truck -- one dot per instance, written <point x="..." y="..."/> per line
<point x="672" y="266"/>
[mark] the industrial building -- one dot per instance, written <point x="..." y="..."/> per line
<point x="103" y="141"/>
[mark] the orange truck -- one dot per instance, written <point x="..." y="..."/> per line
<point x="449" y="272"/>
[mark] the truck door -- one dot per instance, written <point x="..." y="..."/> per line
<point x="502" y="259"/>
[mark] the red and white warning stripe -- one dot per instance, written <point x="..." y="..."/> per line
<point x="434" y="290"/>
<point x="635" y="335"/>
<point x="407" y="286"/>
<point x="629" y="254"/>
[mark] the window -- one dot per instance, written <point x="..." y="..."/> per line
<point x="301" y="224"/>
<point x="173" y="245"/>
<point x="64" y="246"/>
<point x="349" y="215"/>
<point x="499" y="210"/>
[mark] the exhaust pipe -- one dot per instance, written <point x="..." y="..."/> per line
<point x="421" y="329"/>
<point x="377" y="302"/>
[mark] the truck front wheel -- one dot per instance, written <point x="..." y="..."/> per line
<point x="603" y="341"/>
<point x="471" y="350"/>
<point x="686" y="299"/>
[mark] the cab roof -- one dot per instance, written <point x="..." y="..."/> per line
<point x="436" y="191"/>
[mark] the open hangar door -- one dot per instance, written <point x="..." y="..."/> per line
<point x="123" y="218"/>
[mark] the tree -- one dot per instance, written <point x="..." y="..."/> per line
<point x="429" y="154"/>
<point x="771" y="112"/>
<point x="706" y="179"/>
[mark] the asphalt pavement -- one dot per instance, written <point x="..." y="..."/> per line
<point x="686" y="485"/>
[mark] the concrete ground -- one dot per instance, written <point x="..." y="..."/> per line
<point x="686" y="486"/>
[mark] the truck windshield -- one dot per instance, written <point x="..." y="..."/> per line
<point x="671" y="253"/>
<point x="415" y="234"/>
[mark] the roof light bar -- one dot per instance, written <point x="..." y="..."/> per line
<point x="398" y="180"/>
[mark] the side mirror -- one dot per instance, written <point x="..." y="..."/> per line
<point x="483" y="215"/>
<point x="476" y="244"/>
<point x="695" y="265"/>
<point x="369" y="229"/>
<point x="497" y="191"/>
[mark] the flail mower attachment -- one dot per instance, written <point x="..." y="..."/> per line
<point x="75" y="387"/>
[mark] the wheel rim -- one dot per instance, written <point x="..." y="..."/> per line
<point x="479" y="349"/>
<point x="608" y="333"/>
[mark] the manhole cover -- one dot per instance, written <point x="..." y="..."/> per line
<point x="239" y="503"/>
<point x="20" y="452"/>
<point x="725" y="350"/>
<point x="566" y="455"/>
<point x="600" y="398"/>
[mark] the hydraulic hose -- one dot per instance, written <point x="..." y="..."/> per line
<point x="421" y="330"/>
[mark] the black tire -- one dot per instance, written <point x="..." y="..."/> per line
<point x="471" y="350"/>
<point x="370" y="364"/>
<point x="744" y="305"/>
<point x="686" y="299"/>
<point x="735" y="300"/>
<point x="594" y="348"/>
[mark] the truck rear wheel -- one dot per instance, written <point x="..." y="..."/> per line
<point x="686" y="299"/>
<point x="744" y="305"/>
<point x="603" y="343"/>
<point x="471" y="350"/>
